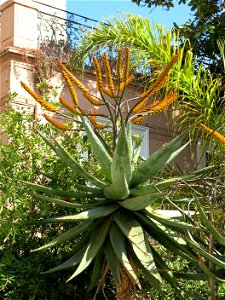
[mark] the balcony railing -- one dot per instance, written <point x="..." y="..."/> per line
<point x="59" y="33"/>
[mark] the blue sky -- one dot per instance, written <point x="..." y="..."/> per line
<point x="101" y="9"/>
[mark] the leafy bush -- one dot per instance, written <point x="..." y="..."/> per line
<point x="21" y="159"/>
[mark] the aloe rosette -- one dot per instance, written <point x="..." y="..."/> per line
<point x="119" y="224"/>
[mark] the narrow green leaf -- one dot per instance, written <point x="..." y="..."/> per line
<point x="209" y="226"/>
<point x="129" y="141"/>
<point x="68" y="194"/>
<point x="70" y="161"/>
<point x="176" y="153"/>
<point x="156" y="161"/>
<point x="91" y="214"/>
<point x="166" y="239"/>
<point x="121" y="158"/>
<point x="217" y="260"/>
<point x="158" y="186"/>
<point x="141" y="202"/>
<point x="62" y="202"/>
<point x="173" y="223"/>
<point x="69" y="263"/>
<point x="119" y="189"/>
<point x="118" y="241"/>
<point x="96" y="242"/>
<point x="113" y="262"/>
<point x="99" y="150"/>
<point x="165" y="272"/>
<point x="134" y="232"/>
<point x="66" y="236"/>
<point x="96" y="272"/>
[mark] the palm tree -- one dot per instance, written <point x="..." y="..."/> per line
<point x="152" y="47"/>
<point x="119" y="227"/>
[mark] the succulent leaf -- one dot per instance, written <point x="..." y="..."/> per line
<point x="113" y="262"/>
<point x="119" y="189"/>
<point x="134" y="232"/>
<point x="67" y="235"/>
<point x="156" y="161"/>
<point x="62" y="202"/>
<point x="96" y="271"/>
<point x="141" y="202"/>
<point x="118" y="241"/>
<point x="71" y="162"/>
<point x="99" y="150"/>
<point x="122" y="157"/>
<point x="170" y="223"/>
<point x="96" y="242"/>
<point x="210" y="227"/>
<point x="68" y="194"/>
<point x="95" y="213"/>
<point x="69" y="263"/>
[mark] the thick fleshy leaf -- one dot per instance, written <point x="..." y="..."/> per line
<point x="217" y="260"/>
<point x="129" y="141"/>
<point x="66" y="236"/>
<point x="113" y="262"/>
<point x="141" y="202"/>
<point x="101" y="154"/>
<point x="90" y="214"/>
<point x="165" y="272"/>
<point x="118" y="241"/>
<point x="173" y="213"/>
<point x="68" y="194"/>
<point x="70" y="161"/>
<point x="165" y="239"/>
<point x="158" y="186"/>
<point x="69" y="263"/>
<point x="119" y="189"/>
<point x="121" y="162"/>
<point x="208" y="224"/>
<point x="176" y="153"/>
<point x="156" y="162"/>
<point x="172" y="223"/>
<point x="134" y="232"/>
<point x="96" y="242"/>
<point x="96" y="271"/>
<point x="62" y="202"/>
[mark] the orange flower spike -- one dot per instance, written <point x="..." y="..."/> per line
<point x="126" y="69"/>
<point x="93" y="117"/>
<point x="155" y="87"/>
<point x="140" y="105"/>
<point x="48" y="106"/>
<point x="67" y="105"/>
<point x="93" y="114"/>
<point x="98" y="74"/>
<point x="92" y="99"/>
<point x="138" y="119"/>
<point x="108" y="73"/>
<point x="129" y="79"/>
<point x="161" y="105"/>
<point x="215" y="133"/>
<point x="107" y="92"/>
<point x="56" y="123"/>
<point x="119" y="65"/>
<point x="71" y="88"/>
<point x="123" y="84"/>
<point x="73" y="78"/>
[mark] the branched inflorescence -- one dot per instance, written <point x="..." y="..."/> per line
<point x="110" y="94"/>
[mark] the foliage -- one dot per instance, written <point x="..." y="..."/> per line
<point x="151" y="48"/>
<point x="204" y="29"/>
<point x="120" y="224"/>
<point x="22" y="156"/>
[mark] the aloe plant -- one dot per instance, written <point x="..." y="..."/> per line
<point x="119" y="224"/>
